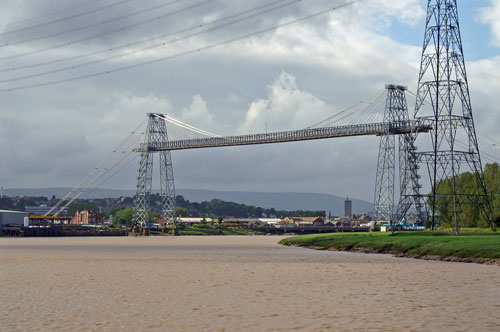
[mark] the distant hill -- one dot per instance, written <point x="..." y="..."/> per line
<point x="279" y="201"/>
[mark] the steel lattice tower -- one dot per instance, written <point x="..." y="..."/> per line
<point x="396" y="111"/>
<point x="156" y="134"/>
<point x="443" y="80"/>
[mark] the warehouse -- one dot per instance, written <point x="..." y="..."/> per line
<point x="12" y="217"/>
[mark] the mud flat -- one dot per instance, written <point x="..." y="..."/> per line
<point x="234" y="283"/>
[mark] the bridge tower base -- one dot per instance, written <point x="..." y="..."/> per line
<point x="409" y="207"/>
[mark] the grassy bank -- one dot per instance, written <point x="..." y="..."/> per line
<point x="207" y="230"/>
<point x="416" y="244"/>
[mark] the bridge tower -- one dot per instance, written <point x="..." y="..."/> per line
<point x="396" y="111"/>
<point x="156" y="134"/>
<point x="443" y="90"/>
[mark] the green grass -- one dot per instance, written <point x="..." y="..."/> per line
<point x="217" y="231"/>
<point x="469" y="244"/>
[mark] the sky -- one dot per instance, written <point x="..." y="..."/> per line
<point x="76" y="77"/>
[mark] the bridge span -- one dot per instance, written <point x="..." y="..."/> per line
<point x="377" y="129"/>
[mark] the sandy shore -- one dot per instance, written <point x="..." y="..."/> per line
<point x="245" y="283"/>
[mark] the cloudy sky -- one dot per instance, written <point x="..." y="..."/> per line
<point x="76" y="77"/>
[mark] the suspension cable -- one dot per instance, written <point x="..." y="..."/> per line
<point x="95" y="168"/>
<point x="103" y="171"/>
<point x="185" y="125"/>
<point x="344" y="110"/>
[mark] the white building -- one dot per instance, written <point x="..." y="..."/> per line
<point x="12" y="217"/>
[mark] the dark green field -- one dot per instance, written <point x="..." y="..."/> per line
<point x="469" y="244"/>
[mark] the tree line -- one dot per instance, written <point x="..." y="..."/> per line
<point x="214" y="208"/>
<point x="466" y="183"/>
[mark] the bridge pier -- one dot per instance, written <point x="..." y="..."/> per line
<point x="156" y="135"/>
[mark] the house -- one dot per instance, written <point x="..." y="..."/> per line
<point x="309" y="221"/>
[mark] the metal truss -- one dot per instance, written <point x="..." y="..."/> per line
<point x="156" y="135"/>
<point x="378" y="129"/>
<point x="410" y="206"/>
<point x="442" y="82"/>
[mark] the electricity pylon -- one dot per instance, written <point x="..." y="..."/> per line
<point x="156" y="134"/>
<point x="443" y="88"/>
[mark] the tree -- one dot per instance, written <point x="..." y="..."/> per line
<point x="124" y="217"/>
<point x="469" y="215"/>
<point x="181" y="212"/>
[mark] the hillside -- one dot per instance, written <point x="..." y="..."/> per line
<point x="279" y="201"/>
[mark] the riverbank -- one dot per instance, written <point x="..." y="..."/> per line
<point x="470" y="247"/>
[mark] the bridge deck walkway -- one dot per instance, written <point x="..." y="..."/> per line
<point x="377" y="129"/>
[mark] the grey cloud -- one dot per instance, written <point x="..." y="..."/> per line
<point x="67" y="129"/>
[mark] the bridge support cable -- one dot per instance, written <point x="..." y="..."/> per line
<point x="409" y="207"/>
<point x="115" y="161"/>
<point x="156" y="134"/>
<point x="99" y="166"/>
<point x="184" y="125"/>
<point x="355" y="107"/>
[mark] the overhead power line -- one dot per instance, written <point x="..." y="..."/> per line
<point x="101" y="34"/>
<point x="135" y="43"/>
<point x="126" y="27"/>
<point x="41" y="16"/>
<point x="108" y="21"/>
<point x="63" y="19"/>
<point x="185" y="53"/>
<point x="161" y="44"/>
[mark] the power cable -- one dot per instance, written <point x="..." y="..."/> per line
<point x="483" y="154"/>
<point x="36" y="26"/>
<point x="185" y="53"/>
<point x="164" y="43"/>
<point x="128" y="45"/>
<point x="38" y="17"/>
<point x="154" y="19"/>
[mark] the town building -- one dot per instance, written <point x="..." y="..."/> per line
<point x="348" y="207"/>
<point x="87" y="217"/>
<point x="41" y="210"/>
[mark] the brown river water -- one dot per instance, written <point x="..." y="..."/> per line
<point x="234" y="283"/>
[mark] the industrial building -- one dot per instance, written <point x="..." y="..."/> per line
<point x="41" y="210"/>
<point x="12" y="217"/>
